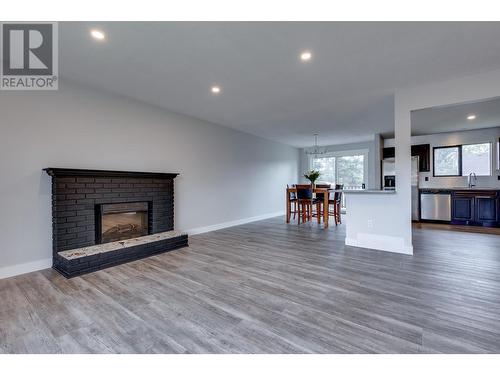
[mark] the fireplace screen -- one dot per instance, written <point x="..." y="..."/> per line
<point x="121" y="221"/>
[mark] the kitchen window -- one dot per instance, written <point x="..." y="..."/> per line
<point x="462" y="160"/>
<point x="447" y="161"/>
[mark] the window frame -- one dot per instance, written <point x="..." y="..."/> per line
<point x="459" y="147"/>
<point x="337" y="154"/>
<point x="490" y="161"/>
<point x="460" y="159"/>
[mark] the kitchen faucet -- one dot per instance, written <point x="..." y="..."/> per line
<point x="472" y="179"/>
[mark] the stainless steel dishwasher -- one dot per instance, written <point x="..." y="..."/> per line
<point x="435" y="205"/>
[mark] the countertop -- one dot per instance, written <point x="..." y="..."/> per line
<point x="369" y="191"/>
<point x="475" y="188"/>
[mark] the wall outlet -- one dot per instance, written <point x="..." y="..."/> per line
<point x="369" y="223"/>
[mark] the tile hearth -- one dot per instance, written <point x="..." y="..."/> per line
<point x="117" y="245"/>
<point x="83" y="260"/>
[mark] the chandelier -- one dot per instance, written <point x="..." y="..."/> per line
<point x="316" y="150"/>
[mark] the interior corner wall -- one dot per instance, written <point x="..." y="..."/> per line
<point x="226" y="177"/>
<point x="463" y="90"/>
<point x="387" y="218"/>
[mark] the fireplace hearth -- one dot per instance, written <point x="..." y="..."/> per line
<point x="110" y="217"/>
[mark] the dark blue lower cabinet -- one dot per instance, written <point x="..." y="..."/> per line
<point x="486" y="209"/>
<point x="476" y="208"/>
<point x="462" y="209"/>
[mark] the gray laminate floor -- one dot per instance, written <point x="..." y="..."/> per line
<point x="268" y="287"/>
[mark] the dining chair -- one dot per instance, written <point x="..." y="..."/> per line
<point x="319" y="200"/>
<point x="304" y="202"/>
<point x="336" y="202"/>
<point x="292" y="201"/>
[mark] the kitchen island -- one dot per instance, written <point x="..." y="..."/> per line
<point x="370" y="221"/>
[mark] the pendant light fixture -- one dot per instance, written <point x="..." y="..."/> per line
<point x="315" y="150"/>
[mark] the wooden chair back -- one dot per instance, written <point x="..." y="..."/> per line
<point x="291" y="194"/>
<point x="304" y="191"/>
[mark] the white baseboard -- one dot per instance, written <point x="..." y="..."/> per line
<point x="378" y="242"/>
<point x="233" y="223"/>
<point x="19" y="269"/>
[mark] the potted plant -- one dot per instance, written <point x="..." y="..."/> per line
<point x="312" y="176"/>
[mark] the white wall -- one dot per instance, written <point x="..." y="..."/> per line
<point x="373" y="178"/>
<point x="383" y="222"/>
<point x="226" y="176"/>
<point x="457" y="138"/>
<point x="373" y="221"/>
<point x="393" y="226"/>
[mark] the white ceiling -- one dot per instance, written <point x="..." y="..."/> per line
<point x="345" y="93"/>
<point x="454" y="117"/>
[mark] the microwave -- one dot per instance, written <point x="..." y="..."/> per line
<point x="389" y="182"/>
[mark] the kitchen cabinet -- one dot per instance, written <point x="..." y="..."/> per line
<point x="388" y="152"/>
<point x="498" y="209"/>
<point x="423" y="152"/>
<point x="424" y="156"/>
<point x="486" y="209"/>
<point x="476" y="207"/>
<point x="462" y="208"/>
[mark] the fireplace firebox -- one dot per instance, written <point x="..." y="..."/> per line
<point x="122" y="221"/>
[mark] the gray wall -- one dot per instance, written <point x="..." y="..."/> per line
<point x="225" y="175"/>
<point x="373" y="147"/>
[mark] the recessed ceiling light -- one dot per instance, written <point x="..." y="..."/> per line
<point x="216" y="90"/>
<point x="471" y="117"/>
<point x="306" y="56"/>
<point x="97" y="34"/>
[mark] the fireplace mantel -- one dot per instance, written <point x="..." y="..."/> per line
<point x="104" y="173"/>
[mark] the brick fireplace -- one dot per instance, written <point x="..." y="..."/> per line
<point x="110" y="217"/>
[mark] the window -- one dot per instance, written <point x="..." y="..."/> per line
<point x="326" y="166"/>
<point x="348" y="168"/>
<point x="463" y="160"/>
<point x="447" y="161"/>
<point x="476" y="159"/>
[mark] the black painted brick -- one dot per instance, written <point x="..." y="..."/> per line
<point x="64" y="179"/>
<point x="102" y="180"/>
<point x="65" y="191"/>
<point x="93" y="196"/>
<point x="85" y="179"/>
<point x="75" y="185"/>
<point x="76" y="218"/>
<point x="76" y="229"/>
<point x="102" y="190"/>
<point x="74" y="202"/>
<point x="85" y="191"/>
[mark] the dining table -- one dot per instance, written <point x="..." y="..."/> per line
<point x="326" y="195"/>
